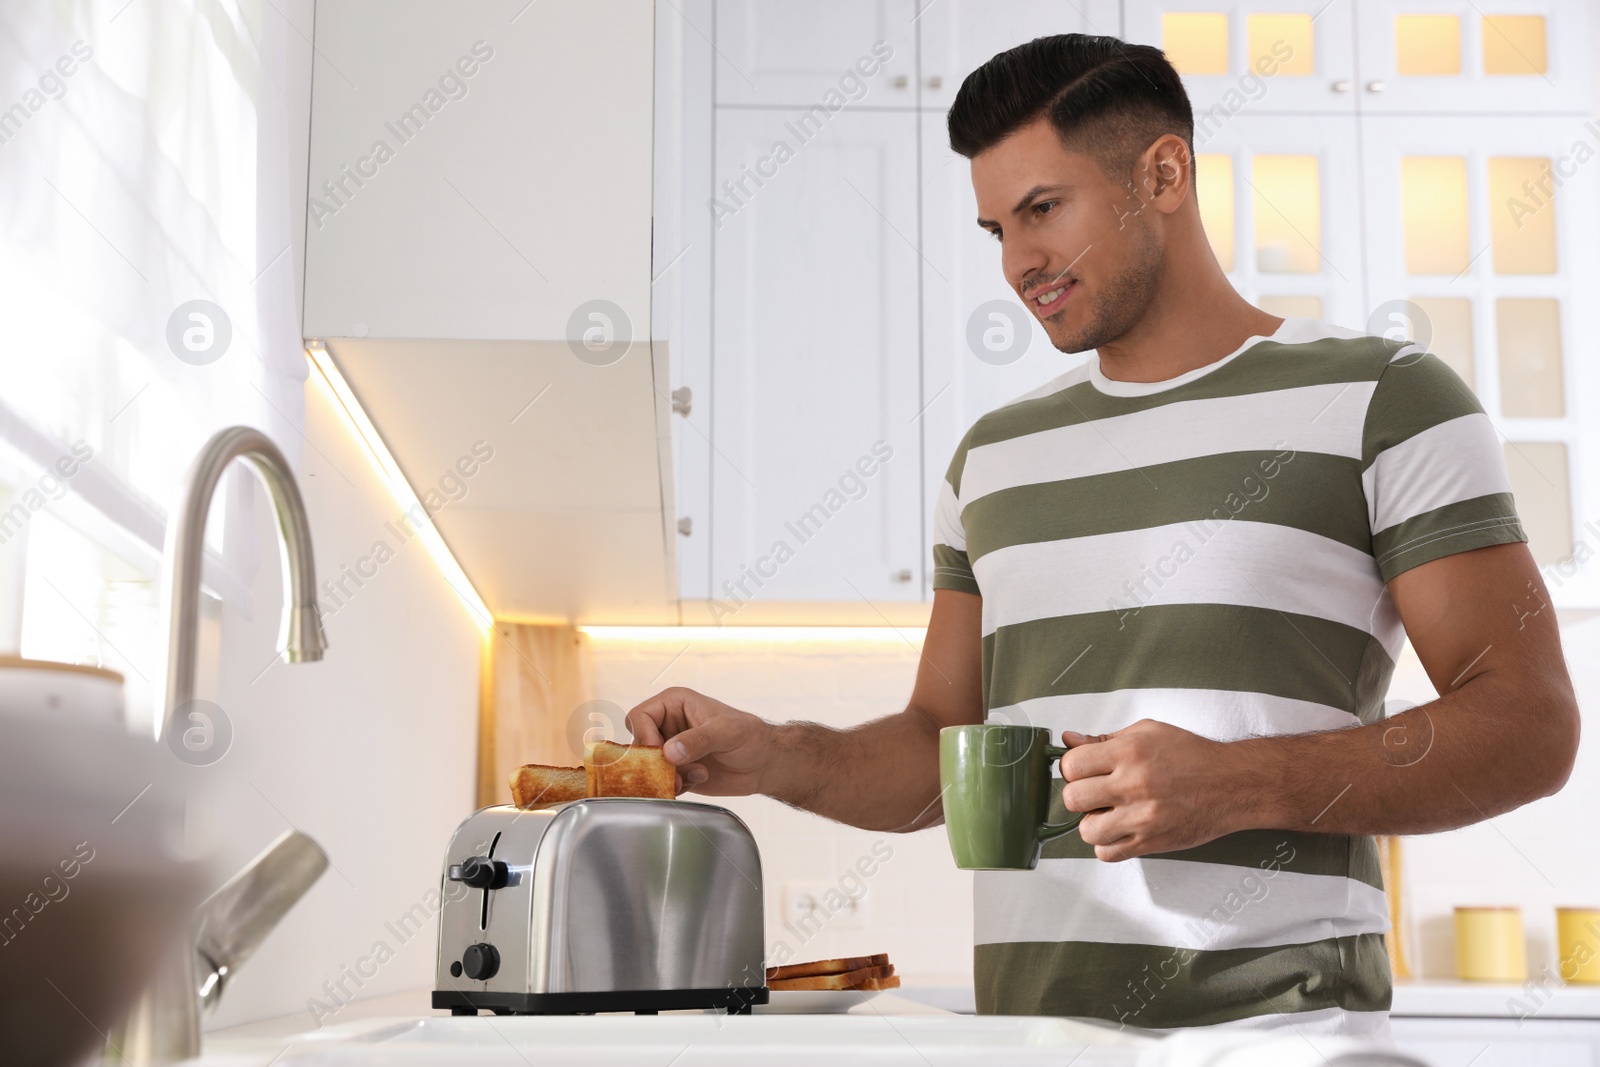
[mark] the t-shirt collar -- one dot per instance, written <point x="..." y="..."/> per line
<point x="1112" y="387"/>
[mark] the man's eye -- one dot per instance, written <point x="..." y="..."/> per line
<point x="1044" y="206"/>
<point x="994" y="233"/>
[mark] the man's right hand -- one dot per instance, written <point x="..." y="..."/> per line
<point x="879" y="775"/>
<point x="718" y="750"/>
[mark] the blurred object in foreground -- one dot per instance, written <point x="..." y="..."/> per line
<point x="92" y="889"/>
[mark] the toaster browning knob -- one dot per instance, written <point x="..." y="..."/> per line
<point x="480" y="962"/>
<point x="480" y="872"/>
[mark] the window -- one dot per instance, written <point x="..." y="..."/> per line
<point x="150" y="302"/>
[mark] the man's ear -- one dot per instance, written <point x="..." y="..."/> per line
<point x="1165" y="171"/>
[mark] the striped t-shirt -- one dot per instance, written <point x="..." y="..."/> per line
<point x="1209" y="551"/>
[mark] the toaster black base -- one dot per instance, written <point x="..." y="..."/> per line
<point x="639" y="1001"/>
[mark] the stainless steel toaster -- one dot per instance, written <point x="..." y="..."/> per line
<point x="607" y="904"/>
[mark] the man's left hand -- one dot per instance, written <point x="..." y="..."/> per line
<point x="1150" y="787"/>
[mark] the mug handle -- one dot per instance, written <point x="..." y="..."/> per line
<point x="1050" y="830"/>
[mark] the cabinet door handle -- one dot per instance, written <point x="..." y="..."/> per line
<point x="1376" y="87"/>
<point x="1341" y="86"/>
<point x="685" y="526"/>
<point x="935" y="82"/>
<point x="900" y="81"/>
<point x="903" y="575"/>
<point x="682" y="400"/>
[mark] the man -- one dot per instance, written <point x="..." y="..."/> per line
<point x="1193" y="556"/>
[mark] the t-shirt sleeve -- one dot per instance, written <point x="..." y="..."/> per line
<point x="951" y="568"/>
<point x="1432" y="467"/>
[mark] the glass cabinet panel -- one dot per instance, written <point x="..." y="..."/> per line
<point x="1282" y="44"/>
<point x="1522" y="217"/>
<point x="1513" y="44"/>
<point x="1528" y="340"/>
<point x="1427" y="45"/>
<point x="1196" y="42"/>
<point x="1213" y="185"/>
<point x="1288" y="210"/>
<point x="1433" y="196"/>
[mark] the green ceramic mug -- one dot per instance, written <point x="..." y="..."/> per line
<point x="996" y="786"/>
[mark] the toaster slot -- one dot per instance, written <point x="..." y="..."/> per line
<point x="483" y="908"/>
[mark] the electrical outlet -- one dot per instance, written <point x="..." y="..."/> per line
<point x="810" y="907"/>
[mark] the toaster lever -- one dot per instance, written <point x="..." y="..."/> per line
<point x="481" y="872"/>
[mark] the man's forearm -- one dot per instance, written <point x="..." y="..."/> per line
<point x="882" y="775"/>
<point x="1436" y="767"/>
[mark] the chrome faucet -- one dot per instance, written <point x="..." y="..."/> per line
<point x="300" y="638"/>
<point x="164" y="1024"/>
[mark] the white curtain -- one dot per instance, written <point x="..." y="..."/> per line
<point x="144" y="166"/>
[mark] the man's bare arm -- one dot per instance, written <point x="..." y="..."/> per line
<point x="1504" y="732"/>
<point x="882" y="775"/>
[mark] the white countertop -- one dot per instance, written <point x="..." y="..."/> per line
<point x="404" y="1031"/>
<point x="890" y="1030"/>
<point x="1485" y="1000"/>
<point x="261" y="1041"/>
<point x="418" y="1003"/>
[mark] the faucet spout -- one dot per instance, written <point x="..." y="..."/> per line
<point x="300" y="639"/>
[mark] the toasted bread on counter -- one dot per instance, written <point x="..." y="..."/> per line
<point x="614" y="770"/>
<point x="834" y="966"/>
<point x="861" y="978"/>
<point x="536" y="784"/>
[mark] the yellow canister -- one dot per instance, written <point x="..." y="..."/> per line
<point x="1578" y="942"/>
<point x="1490" y="946"/>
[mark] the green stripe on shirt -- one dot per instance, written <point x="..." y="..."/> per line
<point x="1188" y="646"/>
<point x="1248" y="486"/>
<point x="1158" y="987"/>
<point x="1350" y="855"/>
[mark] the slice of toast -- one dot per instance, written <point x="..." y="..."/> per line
<point x="615" y="770"/>
<point x="834" y="966"/>
<point x="535" y="785"/>
<point x="862" y="978"/>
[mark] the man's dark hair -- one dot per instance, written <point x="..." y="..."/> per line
<point x="1105" y="97"/>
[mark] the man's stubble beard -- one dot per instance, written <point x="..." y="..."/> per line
<point x="1122" y="303"/>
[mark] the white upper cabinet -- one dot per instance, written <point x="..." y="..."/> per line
<point x="828" y="54"/>
<point x="478" y="264"/>
<point x="453" y="194"/>
<point x="815" y="476"/>
<point x="1515" y="56"/>
<point x="1278" y="56"/>
<point x="958" y="36"/>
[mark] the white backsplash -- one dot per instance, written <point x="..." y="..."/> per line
<point x="916" y="906"/>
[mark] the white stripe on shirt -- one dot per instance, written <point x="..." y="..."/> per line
<point x="1285" y="569"/>
<point x="1220" y="714"/>
<point x="1182" y="904"/>
<point x="1444" y="464"/>
<point x="1313" y="418"/>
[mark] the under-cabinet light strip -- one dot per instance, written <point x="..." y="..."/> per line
<point x="399" y="488"/>
<point x="757" y="634"/>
